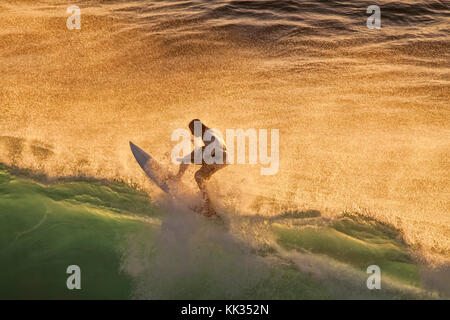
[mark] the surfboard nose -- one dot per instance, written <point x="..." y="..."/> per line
<point x="140" y="155"/>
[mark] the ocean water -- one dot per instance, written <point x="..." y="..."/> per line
<point x="363" y="116"/>
<point x="126" y="247"/>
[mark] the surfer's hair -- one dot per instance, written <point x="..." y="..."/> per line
<point x="192" y="125"/>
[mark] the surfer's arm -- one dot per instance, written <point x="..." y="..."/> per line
<point x="181" y="170"/>
<point x="185" y="162"/>
<point x="187" y="159"/>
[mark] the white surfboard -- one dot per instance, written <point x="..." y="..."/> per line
<point x="151" y="168"/>
<point x="159" y="175"/>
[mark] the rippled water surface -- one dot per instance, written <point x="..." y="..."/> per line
<point x="363" y="114"/>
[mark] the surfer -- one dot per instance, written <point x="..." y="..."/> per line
<point x="208" y="168"/>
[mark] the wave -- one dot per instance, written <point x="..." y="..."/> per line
<point x="362" y="114"/>
<point x="127" y="247"/>
<point x="282" y="20"/>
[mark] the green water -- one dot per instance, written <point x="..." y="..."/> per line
<point x="359" y="242"/>
<point x="45" y="227"/>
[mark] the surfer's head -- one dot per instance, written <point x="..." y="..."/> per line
<point x="197" y="122"/>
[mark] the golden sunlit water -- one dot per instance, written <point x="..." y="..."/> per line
<point x="363" y="114"/>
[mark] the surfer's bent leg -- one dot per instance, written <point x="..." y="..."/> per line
<point x="201" y="177"/>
